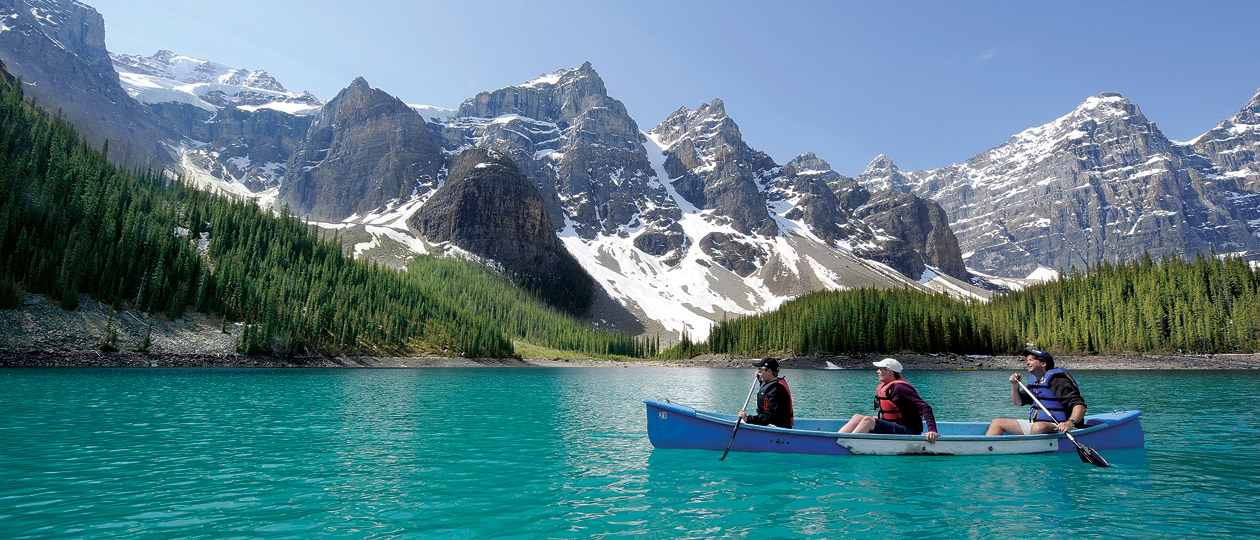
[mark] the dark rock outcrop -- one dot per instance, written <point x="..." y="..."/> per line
<point x="364" y="149"/>
<point x="921" y="226"/>
<point x="487" y="207"/>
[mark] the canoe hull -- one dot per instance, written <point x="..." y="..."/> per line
<point x="671" y="425"/>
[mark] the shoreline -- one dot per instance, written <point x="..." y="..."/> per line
<point x="41" y="334"/>
<point x="943" y="362"/>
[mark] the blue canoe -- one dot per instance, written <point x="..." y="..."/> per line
<point x="671" y="425"/>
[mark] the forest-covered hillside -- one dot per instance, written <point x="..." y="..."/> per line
<point x="71" y="224"/>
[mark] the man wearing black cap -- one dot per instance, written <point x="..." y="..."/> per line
<point x="1054" y="387"/>
<point x="774" y="402"/>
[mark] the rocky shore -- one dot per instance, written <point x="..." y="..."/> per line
<point x="41" y="334"/>
<point x="57" y="358"/>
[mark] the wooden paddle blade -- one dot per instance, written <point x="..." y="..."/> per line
<point x="1091" y="456"/>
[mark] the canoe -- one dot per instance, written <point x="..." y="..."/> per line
<point x="671" y="425"/>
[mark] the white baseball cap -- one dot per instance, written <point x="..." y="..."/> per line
<point x="888" y="363"/>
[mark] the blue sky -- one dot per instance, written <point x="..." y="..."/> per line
<point x="927" y="83"/>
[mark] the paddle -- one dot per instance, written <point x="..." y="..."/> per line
<point x="1088" y="455"/>
<point x="737" y="421"/>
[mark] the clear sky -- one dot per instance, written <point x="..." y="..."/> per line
<point x="927" y="83"/>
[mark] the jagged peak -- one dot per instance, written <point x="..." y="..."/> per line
<point x="562" y="76"/>
<point x="809" y="161"/>
<point x="358" y="87"/>
<point x="881" y="163"/>
<point x="717" y="107"/>
<point x="1107" y="105"/>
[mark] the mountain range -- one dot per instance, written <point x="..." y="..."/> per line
<point x="671" y="228"/>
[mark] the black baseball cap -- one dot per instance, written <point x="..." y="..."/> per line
<point x="768" y="362"/>
<point x="1043" y="355"/>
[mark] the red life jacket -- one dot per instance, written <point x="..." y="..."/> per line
<point x="883" y="400"/>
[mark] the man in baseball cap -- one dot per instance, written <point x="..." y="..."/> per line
<point x="774" y="401"/>
<point x="1057" y="390"/>
<point x="901" y="410"/>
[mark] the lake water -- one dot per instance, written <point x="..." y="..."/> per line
<point x="563" y="453"/>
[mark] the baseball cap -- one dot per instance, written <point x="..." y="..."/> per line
<point x="888" y="363"/>
<point x="768" y="362"/>
<point x="1043" y="355"/>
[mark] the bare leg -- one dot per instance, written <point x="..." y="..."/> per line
<point x="1003" y="426"/>
<point x="865" y="425"/>
<point x="1043" y="427"/>
<point x="852" y="423"/>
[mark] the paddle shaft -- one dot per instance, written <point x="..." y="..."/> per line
<point x="1045" y="410"/>
<point x="741" y="419"/>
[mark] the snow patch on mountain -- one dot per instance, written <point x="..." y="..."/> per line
<point x="168" y="77"/>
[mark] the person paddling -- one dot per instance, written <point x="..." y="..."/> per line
<point x="1057" y="390"/>
<point x="902" y="411"/>
<point x="774" y="401"/>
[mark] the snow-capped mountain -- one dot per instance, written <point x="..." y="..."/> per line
<point x="166" y="77"/>
<point x="1100" y="183"/>
<point x="239" y="125"/>
<point x="680" y="225"/>
<point x="676" y="224"/>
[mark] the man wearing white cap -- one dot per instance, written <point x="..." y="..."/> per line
<point x="901" y="410"/>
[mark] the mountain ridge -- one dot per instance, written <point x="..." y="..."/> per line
<point x="684" y="223"/>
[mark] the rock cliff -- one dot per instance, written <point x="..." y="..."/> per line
<point x="488" y="208"/>
<point x="364" y="149"/>
<point x="58" y="48"/>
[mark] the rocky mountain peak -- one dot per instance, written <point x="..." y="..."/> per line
<point x="708" y="124"/>
<point x="558" y="97"/>
<point x="359" y="86"/>
<point x="1099" y="183"/>
<point x="166" y="64"/>
<point x="579" y="146"/>
<point x="809" y="162"/>
<point x="714" y="169"/>
<point x="882" y="164"/>
<point x="882" y="174"/>
<point x="1251" y="110"/>
<point x="364" y="149"/>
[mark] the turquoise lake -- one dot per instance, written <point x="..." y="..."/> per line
<point x="563" y="453"/>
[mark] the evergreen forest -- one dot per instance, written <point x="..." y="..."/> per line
<point x="71" y="223"/>
<point x="1207" y="305"/>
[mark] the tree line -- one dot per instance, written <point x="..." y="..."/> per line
<point x="71" y="223"/>
<point x="1205" y="305"/>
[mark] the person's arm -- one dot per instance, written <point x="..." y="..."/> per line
<point x="1070" y="396"/>
<point x="763" y="418"/>
<point x="1018" y="397"/>
<point x="925" y="410"/>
